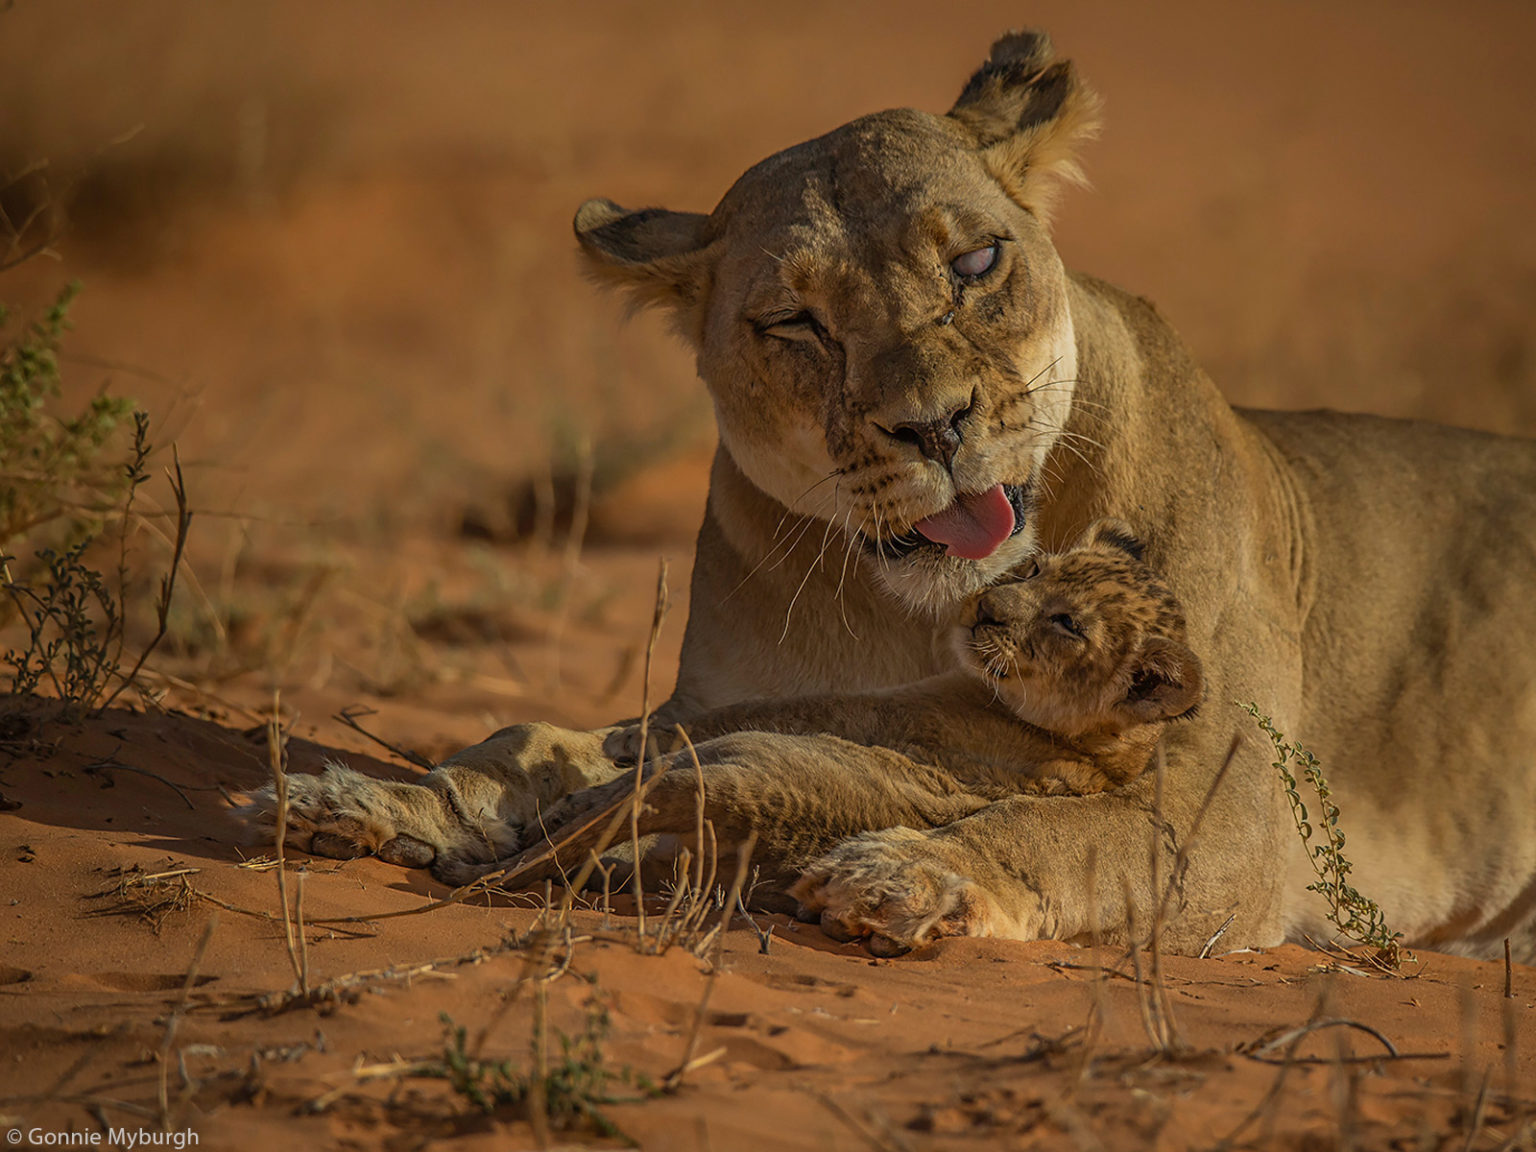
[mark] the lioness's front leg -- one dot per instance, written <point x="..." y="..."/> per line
<point x="470" y="810"/>
<point x="801" y="795"/>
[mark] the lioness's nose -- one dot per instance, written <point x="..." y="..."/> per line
<point x="937" y="439"/>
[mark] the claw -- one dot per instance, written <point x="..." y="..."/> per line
<point x="835" y="928"/>
<point x="336" y="847"/>
<point x="407" y="852"/>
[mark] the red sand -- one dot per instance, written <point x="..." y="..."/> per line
<point x="334" y="261"/>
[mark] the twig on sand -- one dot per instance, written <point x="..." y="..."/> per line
<point x="1205" y="953"/>
<point x="112" y="765"/>
<point x="1287" y="1039"/>
<point x="338" y="987"/>
<point x="350" y="716"/>
<point x="1261" y="1051"/>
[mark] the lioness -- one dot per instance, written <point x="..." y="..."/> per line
<point x="913" y="396"/>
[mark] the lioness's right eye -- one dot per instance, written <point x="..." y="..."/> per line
<point x="797" y="326"/>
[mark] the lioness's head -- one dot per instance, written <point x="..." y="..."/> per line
<point x="881" y="319"/>
<point x="1085" y="641"/>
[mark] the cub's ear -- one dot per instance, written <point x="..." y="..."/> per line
<point x="660" y="257"/>
<point x="1166" y="683"/>
<point x="1112" y="533"/>
<point x="1029" y="112"/>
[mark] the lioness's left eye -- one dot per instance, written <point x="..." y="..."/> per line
<point x="975" y="263"/>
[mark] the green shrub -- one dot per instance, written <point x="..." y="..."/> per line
<point x="55" y="469"/>
<point x="1355" y="916"/>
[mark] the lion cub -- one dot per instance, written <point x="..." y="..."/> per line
<point x="1085" y="647"/>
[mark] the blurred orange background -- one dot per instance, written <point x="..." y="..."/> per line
<point x="329" y="244"/>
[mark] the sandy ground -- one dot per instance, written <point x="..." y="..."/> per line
<point x="328" y="248"/>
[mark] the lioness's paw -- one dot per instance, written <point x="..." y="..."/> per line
<point x="895" y="889"/>
<point x="344" y="814"/>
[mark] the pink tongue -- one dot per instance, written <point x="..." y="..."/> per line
<point x="973" y="526"/>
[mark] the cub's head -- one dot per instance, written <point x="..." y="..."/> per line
<point x="882" y="321"/>
<point x="1086" y="641"/>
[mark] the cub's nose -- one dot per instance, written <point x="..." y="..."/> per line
<point x="983" y="611"/>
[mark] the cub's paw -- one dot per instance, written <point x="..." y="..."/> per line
<point x="895" y="889"/>
<point x="622" y="745"/>
<point x="344" y="814"/>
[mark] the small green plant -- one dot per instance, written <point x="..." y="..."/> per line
<point x="576" y="1084"/>
<point x="1355" y="916"/>
<point x="52" y="468"/>
<point x="75" y="628"/>
<point x="75" y="624"/>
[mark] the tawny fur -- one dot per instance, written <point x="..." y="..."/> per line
<point x="1367" y="582"/>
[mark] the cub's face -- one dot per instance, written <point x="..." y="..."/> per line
<point x="882" y="321"/>
<point x="1084" y="641"/>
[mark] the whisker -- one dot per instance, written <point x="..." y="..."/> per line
<point x="804" y="580"/>
<point x="777" y="539"/>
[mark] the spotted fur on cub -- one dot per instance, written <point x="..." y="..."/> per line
<point x="1088" y="647"/>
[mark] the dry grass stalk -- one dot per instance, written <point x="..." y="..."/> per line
<point x="538" y="1096"/>
<point x="1267" y="1108"/>
<point x="698" y="826"/>
<point x="167" y="582"/>
<point x="174" y="1021"/>
<point x="1098" y="1009"/>
<point x="277" y="759"/>
<point x="1511" y="1050"/>
<point x="1167" y="1038"/>
<point x="657" y="616"/>
<point x="675" y="1078"/>
<point x="1185" y="850"/>
<point x="152" y="898"/>
<point x="1479" y="1112"/>
<point x="338" y="987"/>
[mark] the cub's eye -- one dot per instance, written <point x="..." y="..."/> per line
<point x="977" y="263"/>
<point x="794" y="326"/>
<point x="1067" y="625"/>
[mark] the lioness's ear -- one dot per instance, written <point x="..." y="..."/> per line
<point x="1029" y="113"/>
<point x="1111" y="533"/>
<point x="658" y="256"/>
<point x="1166" y="683"/>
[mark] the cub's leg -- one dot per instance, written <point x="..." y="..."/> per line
<point x="1021" y="868"/>
<point x="800" y="794"/>
<point x="470" y="810"/>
